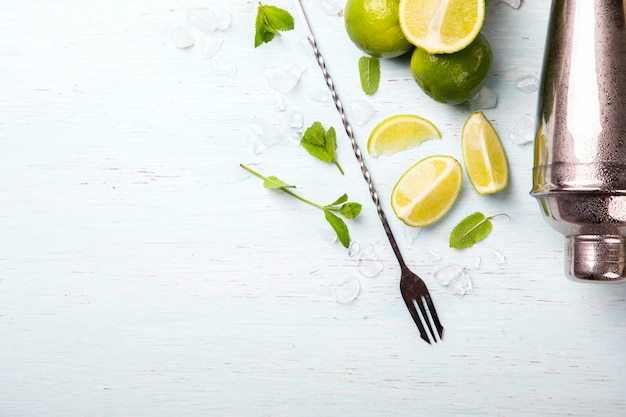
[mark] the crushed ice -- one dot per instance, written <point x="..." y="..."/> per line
<point x="454" y="278"/>
<point x="286" y="129"/>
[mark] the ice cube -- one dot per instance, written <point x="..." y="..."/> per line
<point x="328" y="235"/>
<point x="278" y="100"/>
<point x="243" y="6"/>
<point x="411" y="233"/>
<point x="330" y="7"/>
<point x="319" y="95"/>
<point x="284" y="79"/>
<point x="513" y="3"/>
<point x="202" y="18"/>
<point x="265" y="134"/>
<point x="224" y="69"/>
<point x="486" y="98"/>
<point x="223" y="20"/>
<point x="369" y="263"/>
<point x="297" y="121"/>
<point x="348" y="289"/>
<point x="498" y="257"/>
<point x="476" y="261"/>
<point x="181" y="37"/>
<point x="434" y="256"/>
<point x="361" y="111"/>
<point x="528" y="84"/>
<point x="354" y="249"/>
<point x="524" y="130"/>
<point x="211" y="45"/>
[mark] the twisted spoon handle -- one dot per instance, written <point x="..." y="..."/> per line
<point x="350" y="133"/>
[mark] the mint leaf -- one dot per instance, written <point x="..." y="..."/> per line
<point x="321" y="144"/>
<point x="315" y="135"/>
<point x="331" y="141"/>
<point x="270" y="21"/>
<point x="318" y="151"/>
<point x="369" y="71"/>
<point x="274" y="183"/>
<point x="471" y="230"/>
<point x="350" y="210"/>
<point x="338" y="201"/>
<point x="339" y="226"/>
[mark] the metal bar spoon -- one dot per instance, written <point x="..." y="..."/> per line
<point x="412" y="287"/>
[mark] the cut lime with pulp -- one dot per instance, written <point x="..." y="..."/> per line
<point x="441" y="26"/>
<point x="484" y="155"/>
<point x="427" y="190"/>
<point x="398" y="133"/>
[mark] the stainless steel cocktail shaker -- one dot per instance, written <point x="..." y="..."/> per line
<point x="579" y="175"/>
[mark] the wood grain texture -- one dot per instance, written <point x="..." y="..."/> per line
<point x="141" y="274"/>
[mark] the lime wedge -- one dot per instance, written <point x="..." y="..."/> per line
<point x="398" y="133"/>
<point x="484" y="155"/>
<point x="441" y="26"/>
<point x="427" y="190"/>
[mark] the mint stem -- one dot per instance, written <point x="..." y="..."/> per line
<point x="338" y="166"/>
<point x="304" y="200"/>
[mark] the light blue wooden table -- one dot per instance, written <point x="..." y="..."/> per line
<point x="142" y="274"/>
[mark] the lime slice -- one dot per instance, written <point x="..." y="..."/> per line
<point x="427" y="190"/>
<point x="441" y="26"/>
<point x="484" y="156"/>
<point x="398" y="133"/>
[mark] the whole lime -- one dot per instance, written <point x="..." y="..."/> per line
<point x="374" y="27"/>
<point x="453" y="78"/>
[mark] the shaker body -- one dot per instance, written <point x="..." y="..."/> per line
<point x="579" y="174"/>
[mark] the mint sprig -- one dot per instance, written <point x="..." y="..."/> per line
<point x="270" y="21"/>
<point x="340" y="206"/>
<point x="471" y="230"/>
<point x="321" y="144"/>
<point x="369" y="72"/>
